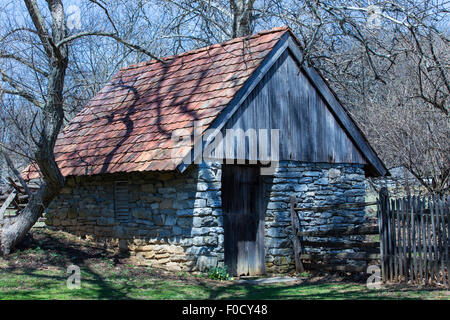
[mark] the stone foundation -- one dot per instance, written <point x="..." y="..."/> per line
<point x="175" y="220"/>
<point x="314" y="185"/>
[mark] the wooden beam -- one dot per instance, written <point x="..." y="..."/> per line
<point x="6" y="204"/>
<point x="341" y="256"/>
<point x="338" y="206"/>
<point x="342" y="244"/>
<point x="295" y="240"/>
<point x="348" y="231"/>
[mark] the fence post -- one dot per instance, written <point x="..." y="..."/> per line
<point x="295" y="240"/>
<point x="382" y="220"/>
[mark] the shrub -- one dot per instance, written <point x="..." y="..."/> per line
<point x="219" y="273"/>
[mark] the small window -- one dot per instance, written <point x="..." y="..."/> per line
<point x="121" y="206"/>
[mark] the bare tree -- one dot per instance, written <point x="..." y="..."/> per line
<point x="243" y="19"/>
<point x="405" y="130"/>
<point x="34" y="63"/>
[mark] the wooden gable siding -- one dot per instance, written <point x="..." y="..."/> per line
<point x="285" y="99"/>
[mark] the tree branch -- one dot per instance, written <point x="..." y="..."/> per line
<point x="19" y="90"/>
<point x="24" y="62"/>
<point x="39" y="24"/>
<point x="108" y="35"/>
<point x="16" y="173"/>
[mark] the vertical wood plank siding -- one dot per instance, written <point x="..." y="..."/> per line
<point x="286" y="100"/>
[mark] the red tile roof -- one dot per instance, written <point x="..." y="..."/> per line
<point x="128" y="125"/>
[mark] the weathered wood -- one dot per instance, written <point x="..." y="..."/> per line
<point x="405" y="239"/>
<point x="342" y="244"/>
<point x="338" y="206"/>
<point x="407" y="235"/>
<point x="390" y="241"/>
<point x="295" y="240"/>
<point x="382" y="222"/>
<point x="446" y="214"/>
<point x="243" y="95"/>
<point x="341" y="256"/>
<point x="398" y="251"/>
<point x="358" y="230"/>
<point x="337" y="109"/>
<point x="441" y="271"/>
<point x="243" y="220"/>
<point x="416" y="235"/>
<point x="413" y="238"/>
<point x="434" y="251"/>
<point x="287" y="100"/>
<point x="6" y="204"/>
<point x="425" y="248"/>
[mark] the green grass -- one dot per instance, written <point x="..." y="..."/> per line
<point x="51" y="284"/>
<point x="39" y="272"/>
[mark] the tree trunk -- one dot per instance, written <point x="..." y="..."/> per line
<point x="15" y="229"/>
<point x="242" y="17"/>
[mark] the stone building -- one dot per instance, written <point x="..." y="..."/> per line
<point x="147" y="169"/>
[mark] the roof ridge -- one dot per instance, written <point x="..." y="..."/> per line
<point x="198" y="50"/>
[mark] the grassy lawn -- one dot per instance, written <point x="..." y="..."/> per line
<point x="39" y="272"/>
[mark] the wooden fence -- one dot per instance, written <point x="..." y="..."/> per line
<point x="414" y="239"/>
<point x="13" y="199"/>
<point x="368" y="250"/>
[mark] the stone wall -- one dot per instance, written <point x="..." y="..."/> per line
<point x="175" y="219"/>
<point x="314" y="185"/>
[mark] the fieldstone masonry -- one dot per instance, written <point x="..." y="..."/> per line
<point x="175" y="220"/>
<point x="314" y="185"/>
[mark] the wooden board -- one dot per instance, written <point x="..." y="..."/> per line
<point x="6" y="204"/>
<point x="121" y="201"/>
<point x="242" y="200"/>
<point x="286" y="100"/>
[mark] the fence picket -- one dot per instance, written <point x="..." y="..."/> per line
<point x="430" y="246"/>
<point x="413" y="239"/>
<point x="441" y="270"/>
<point x="425" y="248"/>
<point x="394" y="238"/>
<point x="406" y="240"/>
<point x="446" y="237"/>
<point x="398" y="241"/>
<point x="382" y="237"/>
<point x="388" y="240"/>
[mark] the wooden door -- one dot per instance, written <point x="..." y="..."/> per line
<point x="242" y="198"/>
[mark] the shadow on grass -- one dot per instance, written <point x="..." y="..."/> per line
<point x="52" y="257"/>
<point x="39" y="272"/>
<point x="321" y="290"/>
